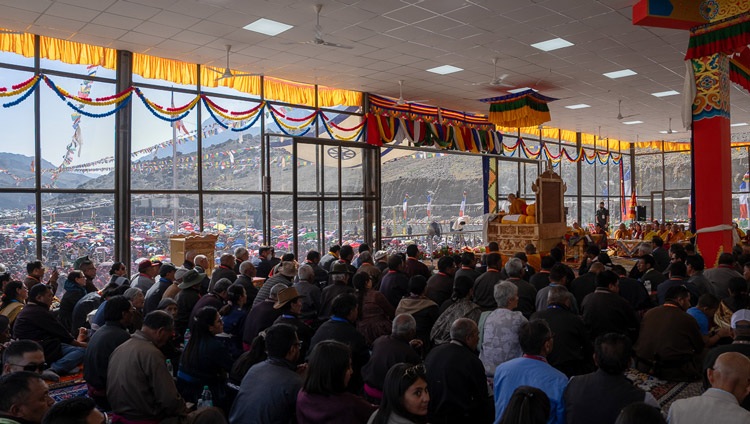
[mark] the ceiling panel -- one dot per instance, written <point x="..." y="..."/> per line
<point x="400" y="39"/>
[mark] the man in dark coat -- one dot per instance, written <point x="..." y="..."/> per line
<point x="526" y="292"/>
<point x="413" y="265"/>
<point x="342" y="329"/>
<point x="605" y="311"/>
<point x="261" y="263"/>
<point x="598" y="397"/>
<point x="154" y="294"/>
<point x="394" y="284"/>
<point x="388" y="351"/>
<point x="262" y="315"/>
<point x="225" y="270"/>
<point x="118" y="316"/>
<point x="339" y="284"/>
<point x="540" y="280"/>
<point x="216" y="299"/>
<point x="186" y="299"/>
<point x="36" y="322"/>
<point x="670" y="342"/>
<point x="245" y="278"/>
<point x="484" y="286"/>
<point x="586" y="283"/>
<point x="440" y="285"/>
<point x="458" y="386"/>
<point x="572" y="347"/>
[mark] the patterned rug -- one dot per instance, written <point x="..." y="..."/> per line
<point x="665" y="392"/>
<point x="69" y="386"/>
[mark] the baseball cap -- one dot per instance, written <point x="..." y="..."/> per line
<point x="740" y="315"/>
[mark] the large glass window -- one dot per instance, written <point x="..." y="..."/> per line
<point x="164" y="153"/>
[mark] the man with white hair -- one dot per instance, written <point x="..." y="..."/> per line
<point x="730" y="384"/>
<point x="526" y="292"/>
<point x="389" y="350"/>
<point x="500" y="331"/>
<point x="309" y="291"/>
<point x="241" y="254"/>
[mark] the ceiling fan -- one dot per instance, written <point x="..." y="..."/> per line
<point x="669" y="131"/>
<point x="400" y="101"/>
<point x="318" y="39"/>
<point x="619" y="112"/>
<point x="496" y="81"/>
<point x="227" y="72"/>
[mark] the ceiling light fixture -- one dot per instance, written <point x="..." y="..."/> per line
<point x="665" y="93"/>
<point x="633" y="122"/>
<point x="578" y="106"/>
<point x="267" y="27"/>
<point x="554" y="44"/>
<point x="620" y="74"/>
<point x="739" y="124"/>
<point x="444" y="70"/>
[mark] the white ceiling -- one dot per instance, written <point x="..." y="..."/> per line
<point x="400" y="39"/>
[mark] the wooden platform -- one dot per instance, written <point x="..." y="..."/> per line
<point x="513" y="238"/>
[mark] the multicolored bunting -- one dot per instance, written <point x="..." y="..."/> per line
<point x="524" y="109"/>
<point x="739" y="68"/>
<point x="384" y="106"/>
<point x="233" y="120"/>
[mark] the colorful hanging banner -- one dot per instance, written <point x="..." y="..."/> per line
<point x="527" y="108"/>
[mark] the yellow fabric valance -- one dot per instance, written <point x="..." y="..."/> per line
<point x="61" y="50"/>
<point x="152" y="67"/>
<point x="568" y="136"/>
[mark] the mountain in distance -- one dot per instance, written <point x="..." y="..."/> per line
<point x="19" y="174"/>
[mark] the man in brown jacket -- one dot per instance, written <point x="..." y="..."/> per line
<point x="670" y="344"/>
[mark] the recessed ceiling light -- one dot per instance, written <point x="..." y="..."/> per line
<point x="739" y="124"/>
<point x="665" y="93"/>
<point x="554" y="44"/>
<point x="444" y="70"/>
<point x="578" y="106"/>
<point x="518" y="90"/>
<point x="632" y="122"/>
<point x="620" y="74"/>
<point x="267" y="27"/>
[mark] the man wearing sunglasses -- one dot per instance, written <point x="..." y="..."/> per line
<point x="27" y="355"/>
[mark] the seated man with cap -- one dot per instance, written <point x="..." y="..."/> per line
<point x="289" y="302"/>
<point x="147" y="271"/>
<point x="339" y="276"/>
<point x="287" y="270"/>
<point x="187" y="298"/>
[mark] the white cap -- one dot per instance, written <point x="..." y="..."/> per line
<point x="740" y="315"/>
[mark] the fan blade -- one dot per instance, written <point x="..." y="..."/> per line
<point x="216" y="70"/>
<point x="629" y="116"/>
<point x="341" y="46"/>
<point x="247" y="75"/>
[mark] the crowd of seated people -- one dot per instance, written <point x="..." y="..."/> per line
<point x="473" y="342"/>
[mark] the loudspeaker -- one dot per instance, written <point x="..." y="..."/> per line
<point x="640" y="213"/>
